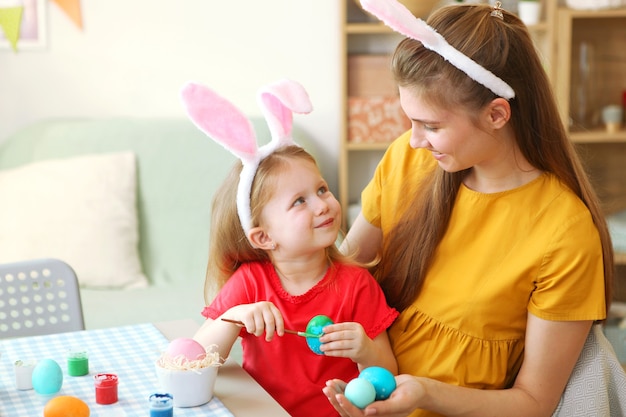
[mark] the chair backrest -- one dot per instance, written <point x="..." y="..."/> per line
<point x="597" y="386"/>
<point x="39" y="296"/>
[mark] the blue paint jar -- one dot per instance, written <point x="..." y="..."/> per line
<point x="161" y="405"/>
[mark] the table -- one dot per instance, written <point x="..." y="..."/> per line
<point x="234" y="386"/>
<point x="130" y="352"/>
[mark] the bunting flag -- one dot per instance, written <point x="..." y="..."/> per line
<point x="72" y="10"/>
<point x="10" y="23"/>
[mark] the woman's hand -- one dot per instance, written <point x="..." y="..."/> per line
<point x="403" y="401"/>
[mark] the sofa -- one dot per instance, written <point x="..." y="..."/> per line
<point x="125" y="201"/>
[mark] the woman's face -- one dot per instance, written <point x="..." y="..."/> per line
<point x="451" y="135"/>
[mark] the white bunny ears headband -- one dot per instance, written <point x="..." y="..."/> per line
<point x="399" y="18"/>
<point x="227" y="125"/>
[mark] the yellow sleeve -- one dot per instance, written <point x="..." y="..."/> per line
<point x="397" y="176"/>
<point x="570" y="285"/>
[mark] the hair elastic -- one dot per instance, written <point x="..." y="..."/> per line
<point x="399" y="18"/>
<point x="497" y="10"/>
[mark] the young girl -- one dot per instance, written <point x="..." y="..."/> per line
<point x="274" y="259"/>
<point x="493" y="246"/>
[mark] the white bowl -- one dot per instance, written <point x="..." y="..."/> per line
<point x="190" y="388"/>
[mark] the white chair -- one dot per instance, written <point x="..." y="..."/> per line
<point x="38" y="297"/>
<point x="597" y="386"/>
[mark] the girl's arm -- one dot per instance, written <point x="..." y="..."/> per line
<point x="552" y="349"/>
<point x="363" y="238"/>
<point x="257" y="318"/>
<point x="220" y="333"/>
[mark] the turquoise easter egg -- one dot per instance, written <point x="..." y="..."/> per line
<point x="316" y="326"/>
<point x="360" y="392"/>
<point x="383" y="381"/>
<point x="47" y="377"/>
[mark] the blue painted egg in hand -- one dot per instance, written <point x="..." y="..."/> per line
<point x="360" y="392"/>
<point x="316" y="326"/>
<point x="383" y="381"/>
<point x="47" y="377"/>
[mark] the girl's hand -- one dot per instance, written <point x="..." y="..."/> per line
<point x="347" y="340"/>
<point x="403" y="401"/>
<point x="258" y="318"/>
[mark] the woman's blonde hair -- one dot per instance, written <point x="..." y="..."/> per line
<point x="505" y="48"/>
<point x="229" y="247"/>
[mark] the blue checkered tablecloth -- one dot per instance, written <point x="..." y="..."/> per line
<point x="129" y="352"/>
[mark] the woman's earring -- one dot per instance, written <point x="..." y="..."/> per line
<point x="273" y="245"/>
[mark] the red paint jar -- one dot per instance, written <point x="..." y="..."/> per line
<point x="106" y="388"/>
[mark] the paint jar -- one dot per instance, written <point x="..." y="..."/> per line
<point x="24" y="374"/>
<point x="161" y="405"/>
<point x="77" y="363"/>
<point x="106" y="388"/>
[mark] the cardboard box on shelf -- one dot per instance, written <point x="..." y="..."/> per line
<point x="375" y="119"/>
<point x="370" y="76"/>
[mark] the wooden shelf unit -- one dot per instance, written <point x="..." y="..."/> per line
<point x="557" y="36"/>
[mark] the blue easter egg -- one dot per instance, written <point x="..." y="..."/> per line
<point x="47" y="377"/>
<point x="383" y="381"/>
<point x="316" y="326"/>
<point x="360" y="392"/>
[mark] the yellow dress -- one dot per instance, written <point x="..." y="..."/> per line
<point x="531" y="249"/>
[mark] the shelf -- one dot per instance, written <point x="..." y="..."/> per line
<point x="376" y="28"/>
<point x="367" y="146"/>
<point x="592" y="14"/>
<point x="597" y="136"/>
<point x="367" y="29"/>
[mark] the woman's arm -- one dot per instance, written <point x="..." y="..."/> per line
<point x="552" y="349"/>
<point x="363" y="238"/>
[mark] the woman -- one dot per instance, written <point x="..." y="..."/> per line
<point x="500" y="261"/>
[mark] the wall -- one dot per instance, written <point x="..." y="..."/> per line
<point x="133" y="56"/>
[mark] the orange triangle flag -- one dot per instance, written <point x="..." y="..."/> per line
<point x="72" y="10"/>
<point x="10" y="22"/>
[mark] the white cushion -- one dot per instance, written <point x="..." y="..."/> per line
<point x="82" y="210"/>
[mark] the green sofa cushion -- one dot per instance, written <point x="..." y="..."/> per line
<point x="178" y="171"/>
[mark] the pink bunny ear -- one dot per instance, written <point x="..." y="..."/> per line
<point x="278" y="102"/>
<point x="220" y="120"/>
<point x="399" y="18"/>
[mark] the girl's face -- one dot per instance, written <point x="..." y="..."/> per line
<point x="449" y="134"/>
<point x="303" y="216"/>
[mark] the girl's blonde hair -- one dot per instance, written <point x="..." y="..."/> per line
<point x="505" y="48"/>
<point x="229" y="247"/>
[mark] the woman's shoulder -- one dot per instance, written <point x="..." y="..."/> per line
<point x="557" y="194"/>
